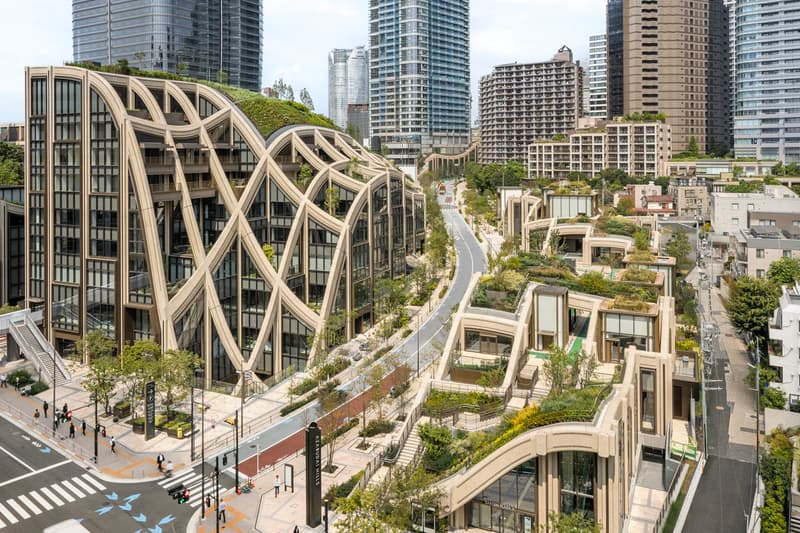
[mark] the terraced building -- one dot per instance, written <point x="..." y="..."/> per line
<point x="157" y="209"/>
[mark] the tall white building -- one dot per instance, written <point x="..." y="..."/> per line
<point x="597" y="74"/>
<point x="347" y="81"/>
<point x="767" y="121"/>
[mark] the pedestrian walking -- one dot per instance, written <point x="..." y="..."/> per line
<point x="208" y="502"/>
<point x="169" y="469"/>
<point x="222" y="507"/>
<point x="296" y="529"/>
<point x="71" y="430"/>
<point x="35" y="415"/>
<point x="113" y="445"/>
<point x="55" y="423"/>
<point x="45" y="407"/>
<point x="159" y="461"/>
<point x="83" y="428"/>
<point x="16" y="383"/>
<point x="277" y="484"/>
<point x="64" y="410"/>
<point x="3" y="378"/>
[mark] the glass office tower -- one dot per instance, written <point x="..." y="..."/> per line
<point x="419" y="77"/>
<point x="217" y="40"/>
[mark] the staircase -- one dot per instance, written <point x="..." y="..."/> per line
<point x="36" y="349"/>
<point x="604" y="372"/>
<point x="794" y="525"/>
<point x="540" y="391"/>
<point x="410" y="451"/>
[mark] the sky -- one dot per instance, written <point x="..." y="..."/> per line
<point x="298" y="34"/>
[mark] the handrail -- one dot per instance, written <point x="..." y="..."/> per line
<point x="410" y="421"/>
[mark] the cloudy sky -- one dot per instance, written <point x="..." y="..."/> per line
<point x="299" y="33"/>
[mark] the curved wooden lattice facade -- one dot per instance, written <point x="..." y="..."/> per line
<point x="150" y="203"/>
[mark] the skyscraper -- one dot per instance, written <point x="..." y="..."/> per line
<point x="614" y="56"/>
<point x="347" y="82"/>
<point x="217" y="40"/>
<point x="520" y="103"/>
<point x="598" y="78"/>
<point x="669" y="49"/>
<point x="767" y="120"/>
<point x="419" y="77"/>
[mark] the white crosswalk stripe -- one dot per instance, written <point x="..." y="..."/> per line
<point x="92" y="481"/>
<point x="86" y="488"/>
<point x="43" y="502"/>
<point x="175" y="480"/>
<point x="72" y="488"/>
<point x="55" y="499"/>
<point x="18" y="508"/>
<point x="197" y="494"/>
<point x="29" y="504"/>
<point x="9" y="516"/>
<point x="64" y="494"/>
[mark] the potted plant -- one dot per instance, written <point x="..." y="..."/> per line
<point x="122" y="409"/>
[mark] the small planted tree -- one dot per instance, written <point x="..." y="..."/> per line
<point x="570" y="523"/>
<point x="94" y="345"/>
<point x="305" y="175"/>
<point x="138" y="364"/>
<point x="332" y="199"/>
<point x="101" y="381"/>
<point x="175" y="373"/>
<point x="557" y="370"/>
<point x="269" y="253"/>
<point x="492" y="378"/>
<point x="376" y="390"/>
<point x="330" y="400"/>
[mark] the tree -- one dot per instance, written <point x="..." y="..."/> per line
<point x="773" y="398"/>
<point x="175" y="374"/>
<point x="557" y="370"/>
<point x="138" y="364"/>
<point x="376" y="390"/>
<point x="492" y="378"/>
<point x="140" y="58"/>
<point x="641" y="240"/>
<point x="692" y="150"/>
<point x="624" y="206"/>
<point x="269" y="253"/>
<point x="577" y="522"/>
<point x="101" y="381"/>
<point x="283" y="90"/>
<point x="332" y="199"/>
<point x="330" y="400"/>
<point x="359" y="513"/>
<point x="305" y="99"/>
<point x="305" y="175"/>
<point x="751" y="305"/>
<point x="679" y="247"/>
<point x="94" y="345"/>
<point x="182" y="68"/>
<point x="784" y="271"/>
<point x="11" y="167"/>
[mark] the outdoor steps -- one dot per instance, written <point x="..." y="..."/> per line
<point x="413" y="442"/>
<point x="794" y="525"/>
<point x="604" y="372"/>
<point x="540" y="391"/>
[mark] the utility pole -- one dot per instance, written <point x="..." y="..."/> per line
<point x="236" y="454"/>
<point x="191" y="400"/>
<point x="216" y="497"/>
<point x="55" y="408"/>
<point x="758" y="405"/>
<point x="201" y="373"/>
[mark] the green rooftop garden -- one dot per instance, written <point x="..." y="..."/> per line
<point x="627" y="303"/>
<point x="616" y="225"/>
<point x="639" y="275"/>
<point x="268" y="114"/>
<point x="647" y="116"/>
<point x="500" y="292"/>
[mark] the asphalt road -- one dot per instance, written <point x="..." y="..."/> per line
<point x="724" y="496"/>
<point x="431" y="334"/>
<point x="40" y="487"/>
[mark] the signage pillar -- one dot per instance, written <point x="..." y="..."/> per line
<point x="149" y="410"/>
<point x="313" y="475"/>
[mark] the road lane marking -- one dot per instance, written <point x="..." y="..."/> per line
<point x="72" y="487"/>
<point x="18" y="508"/>
<point x="64" y="494"/>
<point x="86" y="488"/>
<point x="17" y="459"/>
<point x="29" y="474"/>
<point x="55" y="499"/>
<point x="2" y="524"/>
<point x="90" y="479"/>
<point x="44" y="503"/>
<point x="9" y="516"/>
<point x="29" y="504"/>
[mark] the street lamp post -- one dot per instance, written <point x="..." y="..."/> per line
<point x="199" y="372"/>
<point x="236" y="451"/>
<point x="419" y="319"/>
<point x="258" y="452"/>
<point x="191" y="400"/>
<point x="95" y="428"/>
<point x="54" y="395"/>
<point x="216" y="497"/>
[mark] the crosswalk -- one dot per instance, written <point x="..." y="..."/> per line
<point x="23" y="506"/>
<point x="191" y="480"/>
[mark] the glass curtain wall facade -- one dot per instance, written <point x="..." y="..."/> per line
<point x="151" y="247"/>
<point x="419" y="76"/>
<point x="614" y="65"/>
<point x="216" y="40"/>
<point x="767" y="115"/>
<point x="347" y="82"/>
<point x="597" y="77"/>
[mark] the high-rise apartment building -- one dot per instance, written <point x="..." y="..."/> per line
<point x="520" y="103"/>
<point x="419" y="96"/>
<point x="598" y="78"/>
<point x="347" y="82"/>
<point x="674" y="57"/>
<point x="614" y="58"/>
<point x="217" y="40"/>
<point x="148" y="210"/>
<point x="767" y="121"/>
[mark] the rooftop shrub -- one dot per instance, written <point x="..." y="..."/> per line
<point x="639" y="275"/>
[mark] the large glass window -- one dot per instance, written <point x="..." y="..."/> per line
<point x="576" y="472"/>
<point x="509" y="503"/>
<point x="648" y="384"/>
<point x="487" y="343"/>
<point x="295" y="339"/>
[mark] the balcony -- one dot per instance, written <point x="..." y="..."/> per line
<point x="686" y="367"/>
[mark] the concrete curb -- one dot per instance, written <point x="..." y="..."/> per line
<point x="687" y="502"/>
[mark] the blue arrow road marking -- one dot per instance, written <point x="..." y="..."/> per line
<point x="45" y="450"/>
<point x="166" y="520"/>
<point x="132" y="497"/>
<point x="156" y="529"/>
<point x="125" y="506"/>
<point x="104" y="510"/>
<point x="113" y="496"/>
<point x="140" y="518"/>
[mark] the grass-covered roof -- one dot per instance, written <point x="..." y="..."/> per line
<point x="268" y="114"/>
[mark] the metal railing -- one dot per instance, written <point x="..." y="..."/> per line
<point x="409" y="423"/>
<point x="372" y="466"/>
<point x="672" y="495"/>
